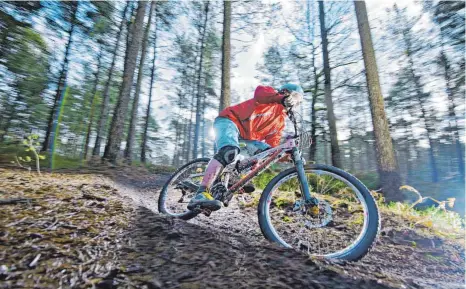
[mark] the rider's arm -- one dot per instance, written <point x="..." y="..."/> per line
<point x="267" y="94"/>
<point x="273" y="140"/>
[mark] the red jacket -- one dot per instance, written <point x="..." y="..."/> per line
<point x="261" y="118"/>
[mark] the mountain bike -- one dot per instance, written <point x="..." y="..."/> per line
<point x="318" y="209"/>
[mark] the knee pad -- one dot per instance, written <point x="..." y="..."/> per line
<point x="226" y="155"/>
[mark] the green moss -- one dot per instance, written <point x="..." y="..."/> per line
<point x="284" y="199"/>
<point x="443" y="223"/>
<point x="261" y="181"/>
<point x="287" y="219"/>
<point x="357" y="220"/>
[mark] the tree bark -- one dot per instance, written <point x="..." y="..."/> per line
<point x="226" y="57"/>
<point x="149" y="104"/>
<point x="106" y="95"/>
<point x="315" y="89"/>
<point x="185" y="149"/>
<point x="93" y="94"/>
<point x="336" y="156"/>
<point x="451" y="112"/>
<point x="203" y="144"/>
<point x="199" y="76"/>
<point x="61" y="79"/>
<point x="112" y="148"/>
<point x="386" y="162"/>
<point x="134" y="110"/>
<point x="429" y="127"/>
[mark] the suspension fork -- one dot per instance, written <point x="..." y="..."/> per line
<point x="308" y="199"/>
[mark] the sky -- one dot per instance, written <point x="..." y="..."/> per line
<point x="247" y="61"/>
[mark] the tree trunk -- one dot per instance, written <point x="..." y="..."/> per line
<point x="429" y="127"/>
<point x="199" y="76"/>
<point x="190" y="125"/>
<point x="324" y="142"/>
<point x="112" y="148"/>
<point x="386" y="162"/>
<point x="190" y="130"/>
<point x="226" y="57"/>
<point x="134" y="110"/>
<point x="177" y="140"/>
<point x="93" y="95"/>
<point x="185" y="149"/>
<point x="149" y="104"/>
<point x="452" y="113"/>
<point x="336" y="157"/>
<point x="61" y="80"/>
<point x="315" y="89"/>
<point x="106" y="95"/>
<point x="129" y="25"/>
<point x="9" y="114"/>
<point x="351" y="151"/>
<point x="203" y="144"/>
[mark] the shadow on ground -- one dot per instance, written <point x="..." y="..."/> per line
<point x="169" y="253"/>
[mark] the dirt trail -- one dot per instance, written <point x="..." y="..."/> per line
<point x="433" y="263"/>
<point x="85" y="232"/>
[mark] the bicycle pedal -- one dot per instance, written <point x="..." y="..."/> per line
<point x="206" y="212"/>
<point x="227" y="200"/>
<point x="197" y="210"/>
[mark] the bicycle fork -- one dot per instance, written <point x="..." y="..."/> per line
<point x="298" y="160"/>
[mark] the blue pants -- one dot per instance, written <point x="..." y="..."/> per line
<point x="227" y="134"/>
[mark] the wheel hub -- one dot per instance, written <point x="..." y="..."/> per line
<point x="315" y="216"/>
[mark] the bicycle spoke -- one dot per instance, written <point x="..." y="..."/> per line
<point x="182" y="188"/>
<point x="332" y="226"/>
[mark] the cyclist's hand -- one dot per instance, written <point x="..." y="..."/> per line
<point x="284" y="92"/>
<point x="293" y="99"/>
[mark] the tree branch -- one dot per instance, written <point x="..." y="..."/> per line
<point x="343" y="64"/>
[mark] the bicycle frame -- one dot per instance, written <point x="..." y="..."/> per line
<point x="270" y="157"/>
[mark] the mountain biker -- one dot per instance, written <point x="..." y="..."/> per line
<point x="260" y="121"/>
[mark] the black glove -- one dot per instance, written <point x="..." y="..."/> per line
<point x="285" y="93"/>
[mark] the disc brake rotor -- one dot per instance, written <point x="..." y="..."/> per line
<point x="316" y="216"/>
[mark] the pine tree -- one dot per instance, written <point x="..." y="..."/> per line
<point x="202" y="37"/>
<point x="134" y="110"/>
<point x="112" y="148"/>
<point x="225" y="94"/>
<point x="69" y="10"/>
<point x="336" y="157"/>
<point x="106" y="93"/>
<point x="386" y="162"/>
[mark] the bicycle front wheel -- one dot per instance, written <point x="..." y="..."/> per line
<point x="344" y="224"/>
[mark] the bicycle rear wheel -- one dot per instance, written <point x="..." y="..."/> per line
<point x="344" y="225"/>
<point x="180" y="188"/>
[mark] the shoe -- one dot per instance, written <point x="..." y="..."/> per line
<point x="204" y="200"/>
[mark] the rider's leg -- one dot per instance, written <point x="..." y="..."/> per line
<point x="226" y="138"/>
<point x="203" y="198"/>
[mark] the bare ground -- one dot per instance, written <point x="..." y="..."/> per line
<point x="400" y="254"/>
<point x="87" y="233"/>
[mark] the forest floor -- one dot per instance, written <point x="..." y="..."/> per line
<point x="100" y="229"/>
